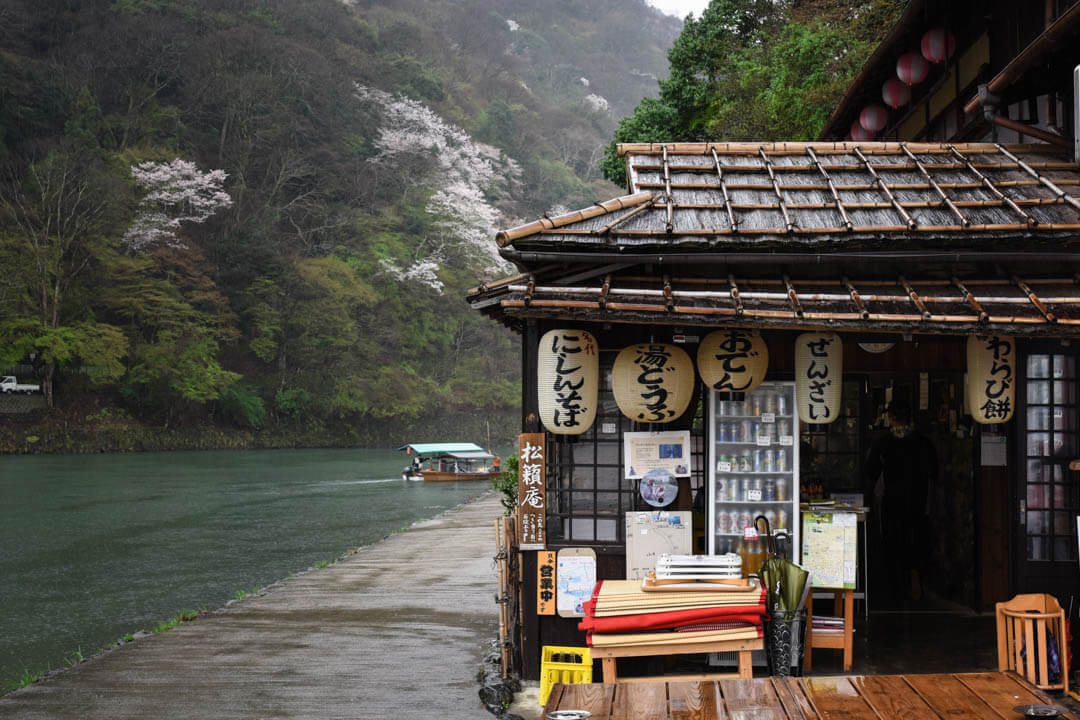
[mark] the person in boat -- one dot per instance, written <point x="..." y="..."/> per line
<point x="416" y="463"/>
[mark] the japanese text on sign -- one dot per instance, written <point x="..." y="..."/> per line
<point x="995" y="402"/>
<point x="652" y="360"/>
<point x="532" y="503"/>
<point x="545" y="583"/>
<point x="734" y="350"/>
<point x="566" y="348"/>
<point x="818" y="380"/>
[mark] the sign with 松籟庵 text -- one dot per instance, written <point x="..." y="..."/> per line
<point x="545" y="582"/>
<point x="532" y="500"/>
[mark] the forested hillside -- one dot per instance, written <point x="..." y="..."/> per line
<point x="231" y="222"/>
<point x="757" y="70"/>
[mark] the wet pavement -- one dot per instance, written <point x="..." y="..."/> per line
<point x="398" y="629"/>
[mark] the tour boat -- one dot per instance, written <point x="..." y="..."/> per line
<point x="443" y="462"/>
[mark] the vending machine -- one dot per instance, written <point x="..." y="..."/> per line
<point x="753" y="470"/>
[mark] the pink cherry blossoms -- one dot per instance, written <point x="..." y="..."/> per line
<point x="176" y="192"/>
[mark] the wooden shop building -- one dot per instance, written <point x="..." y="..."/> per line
<point x="960" y="219"/>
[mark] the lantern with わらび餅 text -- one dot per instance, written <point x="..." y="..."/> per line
<point x="873" y="117"/>
<point x="653" y="382"/>
<point x="819" y="376"/>
<point x="912" y="68"/>
<point x="895" y="93"/>
<point x="567" y="382"/>
<point x="991" y="378"/>
<point x="938" y="45"/>
<point x="732" y="360"/>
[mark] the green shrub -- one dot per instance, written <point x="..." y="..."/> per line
<point x="244" y="406"/>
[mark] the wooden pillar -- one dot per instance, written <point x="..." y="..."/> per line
<point x="530" y="406"/>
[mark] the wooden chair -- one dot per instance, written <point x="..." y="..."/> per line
<point x="1024" y="625"/>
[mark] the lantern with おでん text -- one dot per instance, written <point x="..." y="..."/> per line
<point x="567" y="381"/>
<point x="873" y="117"/>
<point x="938" y="45"/>
<point x="912" y="68"/>
<point x="895" y="93"/>
<point x="991" y="378"/>
<point x="859" y="133"/>
<point x="653" y="382"/>
<point x="732" y="360"/>
<point x="819" y="369"/>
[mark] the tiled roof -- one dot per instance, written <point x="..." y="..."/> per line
<point x="826" y="196"/>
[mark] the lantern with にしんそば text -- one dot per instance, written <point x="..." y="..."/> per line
<point x="568" y="372"/>
<point x="653" y="382"/>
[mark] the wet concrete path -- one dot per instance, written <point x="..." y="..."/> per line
<point x="398" y="629"/>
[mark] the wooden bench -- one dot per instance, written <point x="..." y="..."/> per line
<point x="743" y="647"/>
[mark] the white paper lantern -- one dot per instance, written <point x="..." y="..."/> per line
<point x="653" y="382"/>
<point x="991" y="378"/>
<point x="732" y="360"/>
<point x="819" y="377"/>
<point x="567" y="381"/>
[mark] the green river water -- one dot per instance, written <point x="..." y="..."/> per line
<point x="93" y="547"/>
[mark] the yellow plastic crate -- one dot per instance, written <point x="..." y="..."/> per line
<point x="565" y="665"/>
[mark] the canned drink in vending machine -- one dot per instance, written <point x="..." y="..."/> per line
<point x="770" y="402"/>
<point x="781" y="460"/>
<point x="723" y="522"/>
<point x="746" y="461"/>
<point x="744" y="489"/>
<point x="781" y="489"/>
<point x="746" y="432"/>
<point x="781" y="403"/>
<point x="759" y="460"/>
<point x="781" y="519"/>
<point x="768" y="461"/>
<point x="783" y="428"/>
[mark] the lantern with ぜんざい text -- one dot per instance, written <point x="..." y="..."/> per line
<point x="819" y="367"/>
<point x="653" y="382"/>
<point x="567" y="382"/>
<point x="732" y="360"/>
<point x="991" y="378"/>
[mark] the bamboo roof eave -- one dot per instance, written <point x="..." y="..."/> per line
<point x="506" y="237"/>
<point x="821" y="147"/>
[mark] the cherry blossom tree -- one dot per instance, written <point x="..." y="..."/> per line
<point x="176" y="192"/>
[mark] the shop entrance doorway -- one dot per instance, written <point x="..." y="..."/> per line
<point x="1047" y="499"/>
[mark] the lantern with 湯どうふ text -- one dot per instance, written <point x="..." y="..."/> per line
<point x="567" y="383"/>
<point x="991" y="378"/>
<point x="653" y="382"/>
<point x="732" y="360"/>
<point x="819" y="377"/>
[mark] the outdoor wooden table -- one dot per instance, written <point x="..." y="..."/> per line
<point x="962" y="696"/>
<point x="744" y="648"/>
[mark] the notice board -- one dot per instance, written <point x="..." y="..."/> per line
<point x="651" y="534"/>
<point x="830" y="545"/>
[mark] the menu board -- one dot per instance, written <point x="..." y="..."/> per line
<point x="830" y="544"/>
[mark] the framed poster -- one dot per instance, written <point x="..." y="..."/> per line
<point x="646" y="451"/>
<point x="575" y="578"/>
<point x="830" y="545"/>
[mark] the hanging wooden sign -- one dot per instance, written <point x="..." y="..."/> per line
<point x="545" y="582"/>
<point x="568" y="372"/>
<point x="819" y="366"/>
<point x="991" y="378"/>
<point x="653" y="382"/>
<point x="732" y="360"/>
<point x="532" y="497"/>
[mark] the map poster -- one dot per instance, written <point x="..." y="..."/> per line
<point x="575" y="578"/>
<point x="829" y="549"/>
<point x="645" y="451"/>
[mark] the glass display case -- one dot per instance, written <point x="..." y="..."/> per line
<point x="753" y="469"/>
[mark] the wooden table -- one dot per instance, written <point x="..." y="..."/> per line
<point x="966" y="696"/>
<point x="744" y="648"/>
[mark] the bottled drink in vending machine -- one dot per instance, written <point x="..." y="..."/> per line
<point x="781" y="519"/>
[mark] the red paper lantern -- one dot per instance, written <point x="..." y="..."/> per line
<point x="938" y="45"/>
<point x="873" y="117"/>
<point x="912" y="68"/>
<point x="859" y="133"/>
<point x="895" y="93"/>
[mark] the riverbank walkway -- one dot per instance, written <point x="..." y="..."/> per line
<point x="396" y="630"/>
